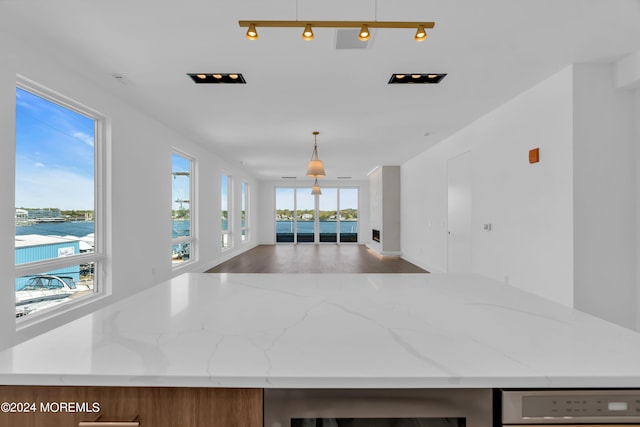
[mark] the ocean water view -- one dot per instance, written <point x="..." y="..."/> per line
<point x="180" y="228"/>
<point x="325" y="227"/>
<point x="73" y="228"/>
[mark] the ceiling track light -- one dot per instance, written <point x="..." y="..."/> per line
<point x="307" y="34"/>
<point x="364" y="34"/>
<point x="421" y="34"/>
<point x="364" y="26"/>
<point x="252" y="33"/>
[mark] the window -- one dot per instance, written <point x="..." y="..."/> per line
<point x="285" y="211"/>
<point x="59" y="234"/>
<point x="328" y="215"/>
<point x="225" y="217"/>
<point x="305" y="216"/>
<point x="182" y="242"/>
<point x="348" y="217"/>
<point x="244" y="218"/>
<point x="331" y="217"/>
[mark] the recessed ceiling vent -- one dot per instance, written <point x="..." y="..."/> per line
<point x="348" y="39"/>
<point x="229" y="78"/>
<point x="122" y="79"/>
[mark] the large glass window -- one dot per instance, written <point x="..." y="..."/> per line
<point x="348" y="218"/>
<point x="331" y="217"/>
<point x="285" y="208"/>
<point x="225" y="215"/>
<point x="244" y="216"/>
<point x="305" y="216"/>
<point x="181" y="213"/>
<point x="328" y="215"/>
<point x="59" y="222"/>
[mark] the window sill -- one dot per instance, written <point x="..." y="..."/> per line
<point x="57" y="312"/>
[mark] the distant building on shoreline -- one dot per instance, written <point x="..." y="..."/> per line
<point x="22" y="216"/>
<point x="26" y="216"/>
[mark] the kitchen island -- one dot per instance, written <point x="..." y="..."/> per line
<point x="330" y="331"/>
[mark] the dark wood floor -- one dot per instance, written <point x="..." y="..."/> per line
<point x="314" y="259"/>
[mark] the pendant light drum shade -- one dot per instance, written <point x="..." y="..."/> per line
<point x="315" y="191"/>
<point x="315" y="168"/>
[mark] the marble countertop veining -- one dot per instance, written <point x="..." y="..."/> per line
<point x="330" y="331"/>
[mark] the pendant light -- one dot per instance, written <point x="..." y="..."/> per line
<point x="316" y="189"/>
<point x="315" y="167"/>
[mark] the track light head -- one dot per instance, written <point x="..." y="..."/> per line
<point x="307" y="34"/>
<point x="364" y="34"/>
<point x="252" y="33"/>
<point x="421" y="34"/>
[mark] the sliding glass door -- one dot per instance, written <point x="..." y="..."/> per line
<point x="328" y="215"/>
<point x="348" y="217"/>
<point x="305" y="216"/>
<point x="285" y="208"/>
<point x="331" y="217"/>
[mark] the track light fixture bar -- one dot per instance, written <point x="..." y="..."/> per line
<point x="337" y="24"/>
<point x="420" y="27"/>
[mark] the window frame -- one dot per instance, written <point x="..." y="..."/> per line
<point x="191" y="238"/>
<point x="101" y="203"/>
<point x="244" y="208"/>
<point x="229" y="231"/>
<point x="317" y="216"/>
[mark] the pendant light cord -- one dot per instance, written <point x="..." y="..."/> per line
<point x="314" y="154"/>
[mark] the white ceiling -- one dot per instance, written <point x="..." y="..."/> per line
<point x="491" y="50"/>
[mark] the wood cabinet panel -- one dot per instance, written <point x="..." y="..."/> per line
<point x="45" y="406"/>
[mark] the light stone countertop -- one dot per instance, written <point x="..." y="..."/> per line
<point x="331" y="331"/>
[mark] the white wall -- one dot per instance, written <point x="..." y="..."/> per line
<point x="604" y="196"/>
<point x="140" y="187"/>
<point x="7" y="208"/>
<point x="566" y="228"/>
<point x="637" y="198"/>
<point x="529" y="206"/>
<point x="384" y="188"/>
<point x="267" y="206"/>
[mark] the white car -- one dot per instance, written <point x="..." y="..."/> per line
<point x="43" y="291"/>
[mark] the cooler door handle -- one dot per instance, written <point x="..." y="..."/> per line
<point x="134" y="422"/>
<point x="109" y="424"/>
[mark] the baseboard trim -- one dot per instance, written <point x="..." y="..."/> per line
<point x="226" y="256"/>
<point x="426" y="266"/>
<point x="383" y="253"/>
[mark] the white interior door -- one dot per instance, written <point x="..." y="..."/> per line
<point x="459" y="214"/>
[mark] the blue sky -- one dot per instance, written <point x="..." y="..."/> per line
<point x="224" y="190"/>
<point x="180" y="183"/>
<point x="54" y="155"/>
<point x="55" y="162"/>
<point x="348" y="198"/>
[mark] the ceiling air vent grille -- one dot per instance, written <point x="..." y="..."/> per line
<point x="348" y="39"/>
